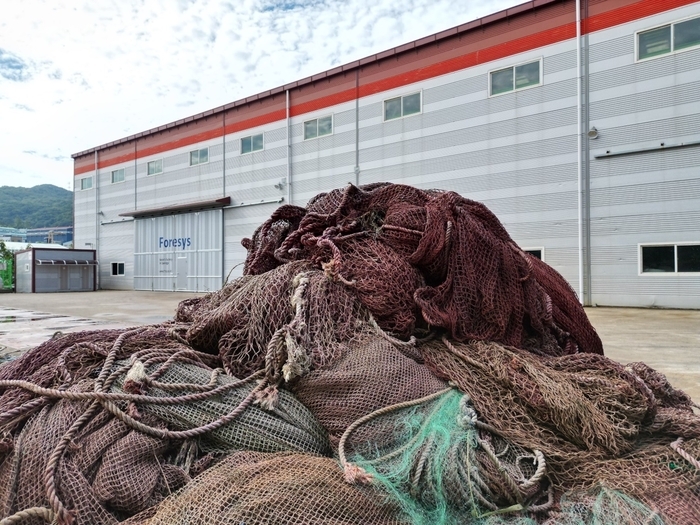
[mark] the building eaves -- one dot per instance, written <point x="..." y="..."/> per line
<point x="179" y="208"/>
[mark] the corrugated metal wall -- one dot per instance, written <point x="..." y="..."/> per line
<point x="84" y="214"/>
<point x="256" y="182"/>
<point x="516" y="152"/>
<point x="644" y="197"/>
<point x="179" y="252"/>
<point x="23" y="283"/>
<point x="179" y="181"/>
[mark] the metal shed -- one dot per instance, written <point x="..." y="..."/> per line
<point x="40" y="270"/>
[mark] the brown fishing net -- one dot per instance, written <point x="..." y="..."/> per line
<point x="372" y="373"/>
<point x="130" y="432"/>
<point x="478" y="283"/>
<point x="323" y="314"/>
<point x="280" y="489"/>
<point x="596" y="421"/>
<point x="389" y="356"/>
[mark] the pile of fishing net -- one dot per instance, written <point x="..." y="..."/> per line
<point x="390" y="356"/>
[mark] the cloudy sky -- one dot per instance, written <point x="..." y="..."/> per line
<point x="76" y="74"/>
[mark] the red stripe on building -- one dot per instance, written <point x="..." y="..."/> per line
<point x="612" y="18"/>
<point x="631" y="12"/>
<point x="84" y="169"/>
<point x="267" y="118"/>
<point x="179" y="143"/>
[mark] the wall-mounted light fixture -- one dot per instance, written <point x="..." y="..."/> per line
<point x="593" y="133"/>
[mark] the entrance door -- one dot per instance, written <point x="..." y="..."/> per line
<point x="64" y="279"/>
<point x="182" y="273"/>
<point x="86" y="277"/>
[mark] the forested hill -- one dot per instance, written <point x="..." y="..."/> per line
<point x="42" y="206"/>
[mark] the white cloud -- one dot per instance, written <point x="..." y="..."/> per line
<point x="76" y="75"/>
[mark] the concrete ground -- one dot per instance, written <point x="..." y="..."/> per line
<point x="667" y="340"/>
<point x="27" y="320"/>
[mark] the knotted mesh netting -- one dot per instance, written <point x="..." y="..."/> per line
<point x="390" y="356"/>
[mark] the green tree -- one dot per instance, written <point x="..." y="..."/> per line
<point x="42" y="206"/>
<point x="7" y="275"/>
<point x="5" y="253"/>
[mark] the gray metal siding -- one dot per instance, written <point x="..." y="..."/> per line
<point x="645" y="197"/>
<point x="516" y="152"/>
<point x="117" y="246"/>
<point x="179" y="182"/>
<point x="23" y="267"/>
<point x="324" y="163"/>
<point x="84" y="217"/>
<point x="179" y="252"/>
<point x="240" y="222"/>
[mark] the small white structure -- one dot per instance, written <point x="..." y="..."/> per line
<point x="55" y="269"/>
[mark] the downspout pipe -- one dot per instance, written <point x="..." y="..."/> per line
<point x="223" y="194"/>
<point x="97" y="218"/>
<point x="579" y="152"/>
<point x="289" y="150"/>
<point x="357" y="127"/>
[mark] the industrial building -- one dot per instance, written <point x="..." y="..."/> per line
<point x="576" y="122"/>
<point x="8" y="234"/>
<point x="58" y="235"/>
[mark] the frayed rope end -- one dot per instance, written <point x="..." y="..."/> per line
<point x="355" y="474"/>
<point x="135" y="380"/>
<point x="268" y="398"/>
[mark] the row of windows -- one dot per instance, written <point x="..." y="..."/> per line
<point x="665" y="259"/>
<point x="154" y="167"/>
<point x="654" y="259"/>
<point x="668" y="258"/>
<point x="502" y="81"/>
<point x="658" y="41"/>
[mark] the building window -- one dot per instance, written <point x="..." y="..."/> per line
<point x="199" y="156"/>
<point x="252" y="143"/>
<point x="118" y="268"/>
<point x="535" y="252"/>
<point x="668" y="38"/>
<point x="118" y="175"/>
<point x="318" y="127"/>
<point x="402" y="106"/>
<point x="86" y="183"/>
<point x="670" y="258"/>
<point x="156" y="166"/>
<point x="516" y="77"/>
